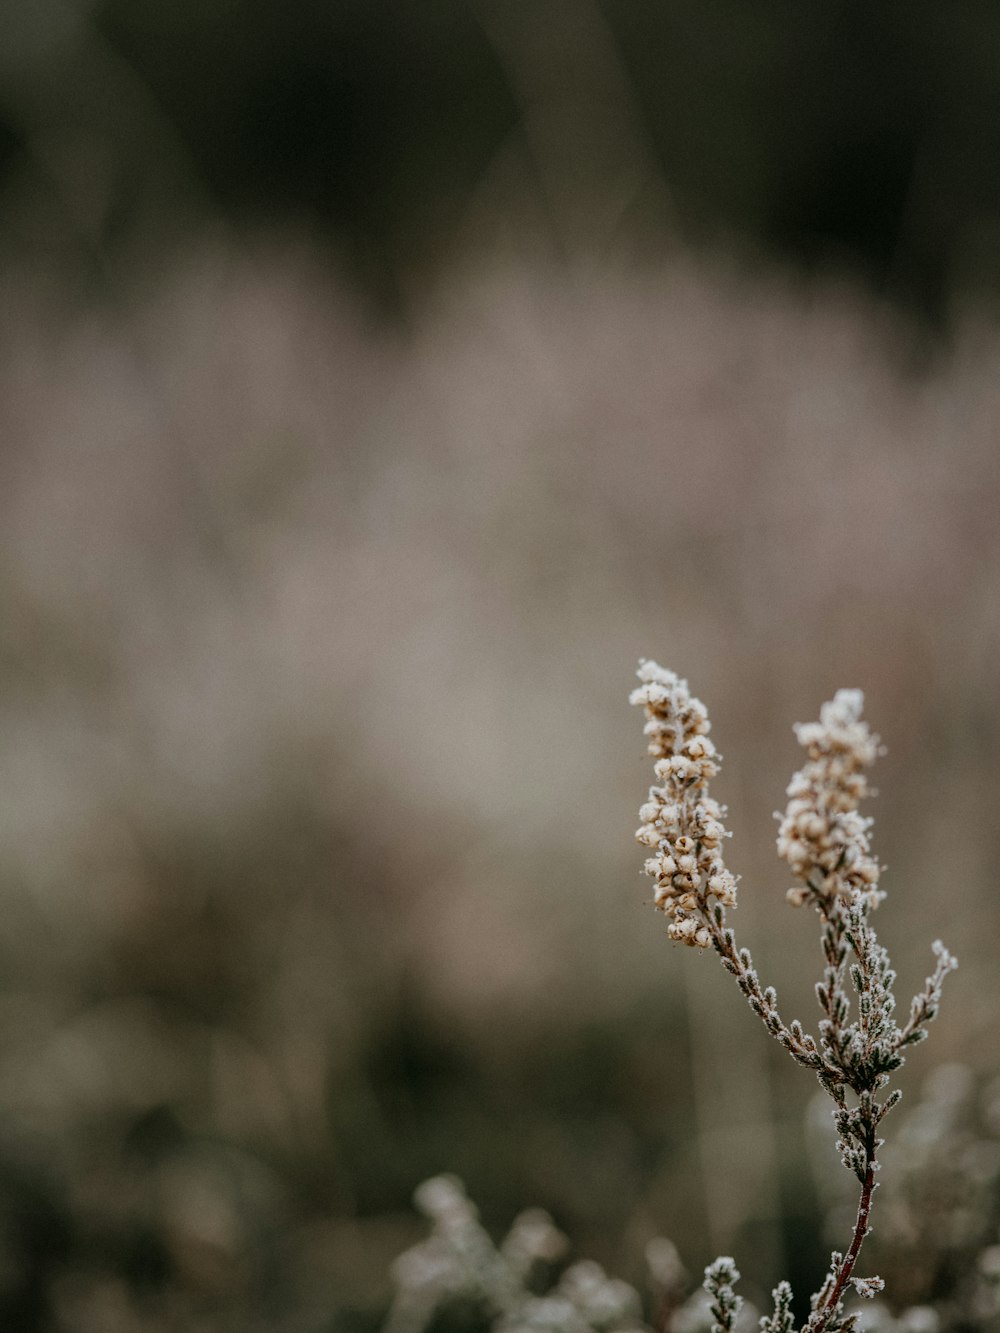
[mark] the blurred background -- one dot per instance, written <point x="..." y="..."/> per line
<point x="378" y="381"/>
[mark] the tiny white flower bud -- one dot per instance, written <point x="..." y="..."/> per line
<point x="814" y="827"/>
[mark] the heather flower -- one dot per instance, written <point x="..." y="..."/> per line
<point x="681" y="823"/>
<point x="822" y="836"/>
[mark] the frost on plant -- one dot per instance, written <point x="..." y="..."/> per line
<point x="459" y="1266"/>
<point x="825" y="841"/>
<point x="720" y="1279"/>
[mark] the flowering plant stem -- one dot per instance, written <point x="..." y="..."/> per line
<point x="861" y="1229"/>
<point x="824" y="840"/>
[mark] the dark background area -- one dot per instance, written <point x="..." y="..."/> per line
<point x="859" y="137"/>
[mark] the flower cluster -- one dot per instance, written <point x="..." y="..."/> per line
<point x="682" y="824"/>
<point x="822" y="836"/>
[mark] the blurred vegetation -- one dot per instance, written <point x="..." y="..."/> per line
<point x="854" y="136"/>
<point x="318" y="782"/>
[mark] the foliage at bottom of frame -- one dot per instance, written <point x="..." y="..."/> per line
<point x="943" y="1231"/>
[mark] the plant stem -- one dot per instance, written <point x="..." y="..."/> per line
<point x="819" y="1320"/>
<point x="800" y="1046"/>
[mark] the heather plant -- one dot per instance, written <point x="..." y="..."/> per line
<point x="459" y="1267"/>
<point x="825" y="841"/>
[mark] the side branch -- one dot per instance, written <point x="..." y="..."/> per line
<point x="924" y="1005"/>
<point x="764" y="1002"/>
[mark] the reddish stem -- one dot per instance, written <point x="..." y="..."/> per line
<point x="847" y="1268"/>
